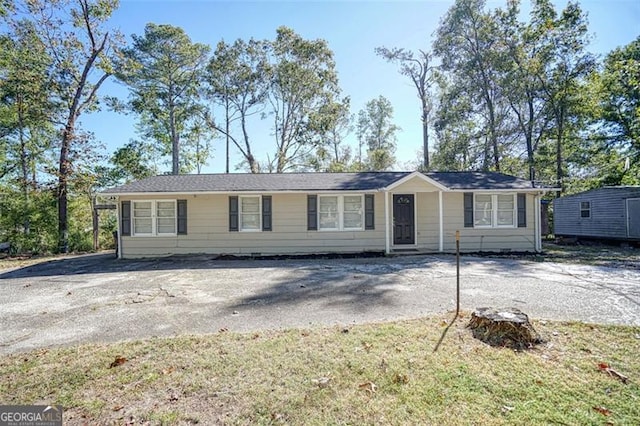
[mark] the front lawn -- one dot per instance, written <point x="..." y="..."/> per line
<point x="383" y="373"/>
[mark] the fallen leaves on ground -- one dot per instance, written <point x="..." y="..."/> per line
<point x="118" y="361"/>
<point x="613" y="373"/>
<point x="603" y="411"/>
<point x="368" y="386"/>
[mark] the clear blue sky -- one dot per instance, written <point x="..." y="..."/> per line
<point x="352" y="28"/>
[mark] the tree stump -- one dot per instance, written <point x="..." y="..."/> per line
<point x="508" y="327"/>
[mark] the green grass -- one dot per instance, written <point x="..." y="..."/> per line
<point x="272" y="377"/>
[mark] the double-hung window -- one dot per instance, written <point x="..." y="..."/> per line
<point x="154" y="217"/>
<point x="340" y="212"/>
<point x="585" y="209"/>
<point x="250" y="215"/>
<point x="494" y="210"/>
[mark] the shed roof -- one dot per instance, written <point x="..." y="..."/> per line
<point x="279" y="182"/>
<point x="611" y="190"/>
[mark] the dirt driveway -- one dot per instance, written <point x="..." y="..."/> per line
<point x="98" y="298"/>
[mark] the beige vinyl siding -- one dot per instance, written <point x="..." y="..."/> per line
<point x="208" y="231"/>
<point x="427" y="221"/>
<point x="414" y="184"/>
<point x="485" y="239"/>
<point x="208" y="228"/>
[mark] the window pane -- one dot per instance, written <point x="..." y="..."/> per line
<point x="506" y="205"/>
<point x="353" y="203"/>
<point x="328" y="216"/>
<point x="142" y="226"/>
<point x="353" y="220"/>
<point x="329" y="204"/>
<point x="505" y="217"/>
<point x="250" y="204"/>
<point x="142" y="209"/>
<point x="249" y="221"/>
<point x="328" y="221"/>
<point x="166" y="226"/>
<point x="585" y="205"/>
<point x="483" y="213"/>
<point x="166" y="209"/>
<point x="585" y="213"/>
<point x="505" y="202"/>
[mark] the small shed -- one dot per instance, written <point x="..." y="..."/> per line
<point x="609" y="213"/>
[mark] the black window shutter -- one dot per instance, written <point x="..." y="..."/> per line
<point x="125" y="217"/>
<point x="369" y="217"/>
<point x="522" y="210"/>
<point x="182" y="217"/>
<point x="468" y="210"/>
<point x="233" y="213"/>
<point x="312" y="212"/>
<point x="266" y="212"/>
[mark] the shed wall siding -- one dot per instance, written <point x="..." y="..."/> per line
<point x="608" y="213"/>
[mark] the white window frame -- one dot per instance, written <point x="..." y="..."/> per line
<point x="240" y="213"/>
<point x="341" y="212"/>
<point x="585" y="210"/>
<point x="154" y="219"/>
<point x="494" y="210"/>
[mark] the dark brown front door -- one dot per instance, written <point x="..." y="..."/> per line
<point x="403" y="219"/>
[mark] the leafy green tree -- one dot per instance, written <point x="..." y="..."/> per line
<point x="132" y="162"/>
<point x="26" y="111"/>
<point x="376" y="131"/>
<point x="302" y="79"/>
<point x="520" y="65"/>
<point x="238" y="81"/>
<point x="565" y="65"/>
<point x="332" y="154"/>
<point x="456" y="130"/>
<point x="74" y="36"/>
<point x="467" y="44"/>
<point x="163" y="69"/>
<point x="418" y="67"/>
<point x="620" y="99"/>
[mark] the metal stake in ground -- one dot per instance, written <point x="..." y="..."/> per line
<point x="444" y="333"/>
<point x="457" y="273"/>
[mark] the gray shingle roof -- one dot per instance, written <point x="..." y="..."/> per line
<point x="365" y="181"/>
<point x="479" y="180"/>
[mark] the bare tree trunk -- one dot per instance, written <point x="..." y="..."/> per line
<point x="63" y="176"/>
<point x="175" y="144"/>
<point x="425" y="136"/>
<point x="529" y="141"/>
<point x="559" y="171"/>
<point x="24" y="166"/>
<point x="253" y="164"/>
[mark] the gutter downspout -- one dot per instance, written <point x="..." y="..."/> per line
<point x="387" y="245"/>
<point x="440" y="223"/>
<point x="536" y="227"/>
<point x="118" y="228"/>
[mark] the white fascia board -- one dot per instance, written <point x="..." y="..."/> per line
<point x="510" y="190"/>
<point x="315" y="191"/>
<point x="420" y="176"/>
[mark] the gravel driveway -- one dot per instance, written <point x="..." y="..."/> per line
<point x="100" y="299"/>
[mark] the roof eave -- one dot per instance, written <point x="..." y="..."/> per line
<point x="252" y="192"/>
<point x="410" y="176"/>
